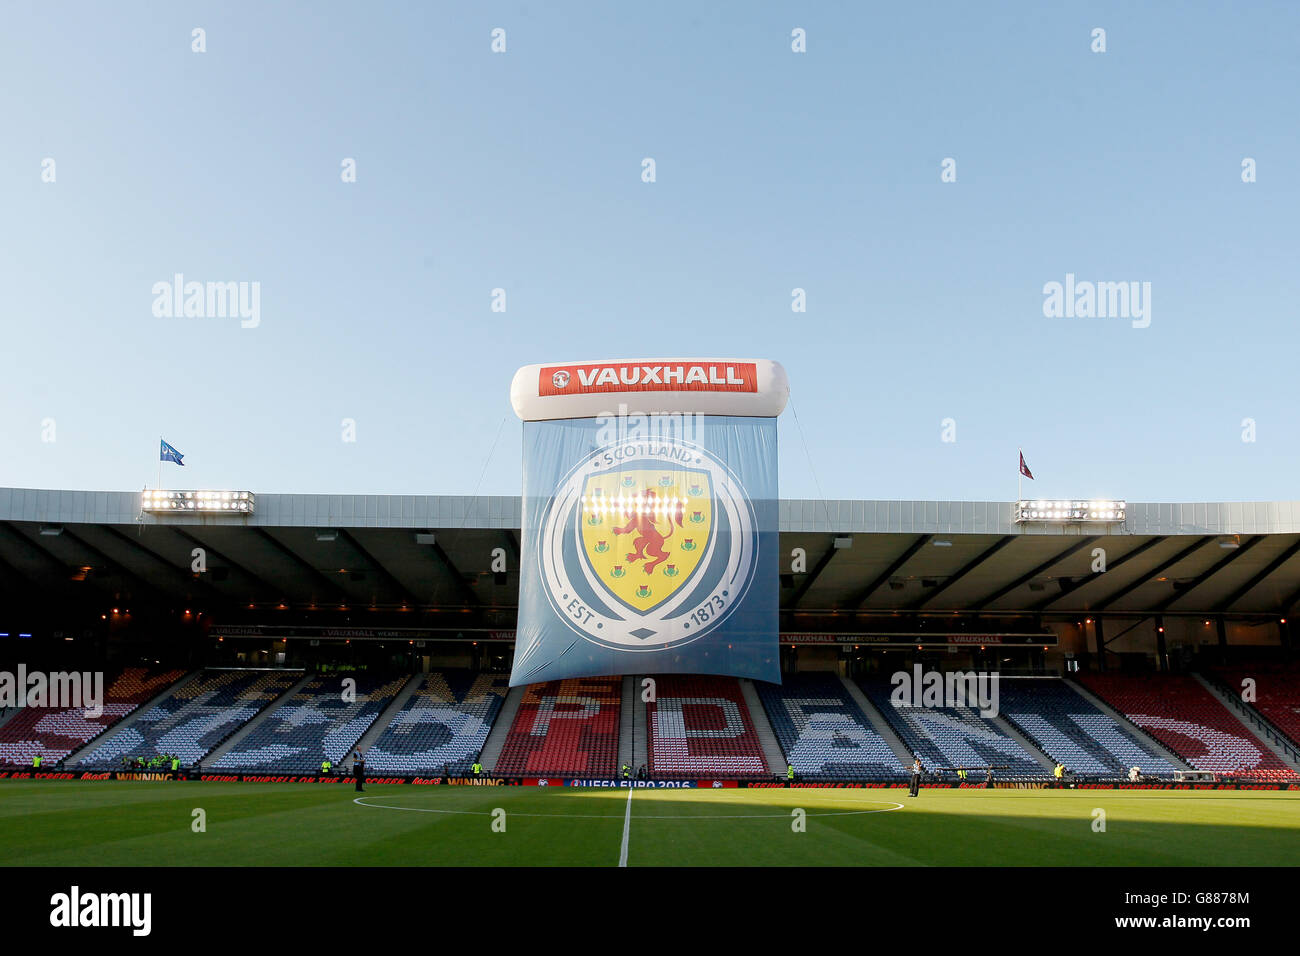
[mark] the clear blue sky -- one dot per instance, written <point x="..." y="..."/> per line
<point x="775" y="170"/>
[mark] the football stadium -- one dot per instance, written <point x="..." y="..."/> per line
<point x="445" y="445"/>
<point x="1092" y="683"/>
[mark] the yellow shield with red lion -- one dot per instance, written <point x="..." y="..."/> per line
<point x="643" y="531"/>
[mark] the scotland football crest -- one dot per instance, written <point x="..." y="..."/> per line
<point x="647" y="545"/>
<point x="648" y="555"/>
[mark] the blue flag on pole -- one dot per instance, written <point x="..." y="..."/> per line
<point x="168" y="453"/>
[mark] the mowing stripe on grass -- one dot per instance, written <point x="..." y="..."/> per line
<point x="138" y="824"/>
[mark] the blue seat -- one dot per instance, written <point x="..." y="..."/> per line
<point x="1072" y="731"/>
<point x="317" y="723"/>
<point x="823" y="731"/>
<point x="194" y="719"/>
<point x="952" y="737"/>
<point x="444" y="725"/>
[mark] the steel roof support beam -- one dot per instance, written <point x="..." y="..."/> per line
<point x="224" y="559"/>
<point x="61" y="572"/>
<point x="1030" y="575"/>
<point x="1111" y="566"/>
<point x="1153" y="574"/>
<point x="468" y="597"/>
<point x="314" y="572"/>
<point x="860" y="598"/>
<point x="139" y="586"/>
<point x="811" y="577"/>
<point x="964" y="570"/>
<point x="1291" y="601"/>
<point x="117" y="566"/>
<point x="1250" y="585"/>
<point x="34" y="547"/>
<point x="1209" y="573"/>
<point x="402" y="590"/>
<point x="184" y="576"/>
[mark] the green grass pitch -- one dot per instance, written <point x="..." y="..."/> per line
<point x="71" y="823"/>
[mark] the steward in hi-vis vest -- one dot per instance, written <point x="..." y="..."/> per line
<point x="477" y="768"/>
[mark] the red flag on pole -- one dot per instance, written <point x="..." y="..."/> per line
<point x="1024" y="469"/>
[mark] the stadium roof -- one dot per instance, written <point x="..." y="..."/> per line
<point x="356" y="551"/>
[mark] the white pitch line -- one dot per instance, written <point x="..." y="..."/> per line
<point x="360" y="801"/>
<point x="627" y="829"/>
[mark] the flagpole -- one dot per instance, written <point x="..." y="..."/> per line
<point x="1020" y="477"/>
<point x="158" y="487"/>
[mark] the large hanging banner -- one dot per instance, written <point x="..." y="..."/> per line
<point x="649" y="537"/>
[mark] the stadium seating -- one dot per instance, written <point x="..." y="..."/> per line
<point x="1074" y="732"/>
<point x="316" y="723"/>
<point x="197" y="716"/>
<point x="948" y="738"/>
<point x="1277" y="692"/>
<point x="823" y="732"/>
<point x="565" y="728"/>
<point x="1186" y="718"/>
<point x="54" y="732"/>
<point x="442" y="727"/>
<point x="700" y="726"/>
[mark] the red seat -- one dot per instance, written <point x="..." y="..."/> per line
<point x="1277" y="692"/>
<point x="565" y="728"/>
<point x="1184" y="716"/>
<point x="54" y="732"/>
<point x="701" y="727"/>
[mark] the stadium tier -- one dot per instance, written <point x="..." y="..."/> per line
<point x="949" y="738"/>
<point x="442" y="727"/>
<point x="567" y="727"/>
<point x="54" y="732"/>
<point x="1068" y="728"/>
<point x="193" y="719"/>
<point x="320" y="721"/>
<point x="1277" y="692"/>
<point x="823" y="732"/>
<point x="1184" y="716"/>
<point x="700" y="726"/>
